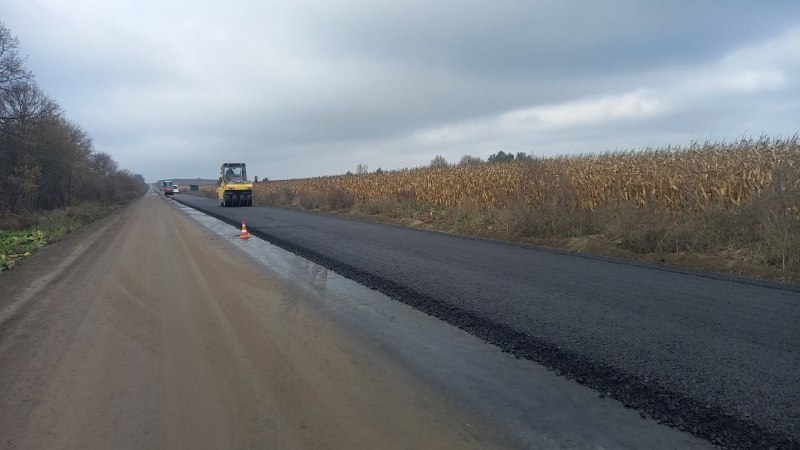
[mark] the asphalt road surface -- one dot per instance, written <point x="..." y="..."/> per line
<point x="713" y="355"/>
<point x="145" y="330"/>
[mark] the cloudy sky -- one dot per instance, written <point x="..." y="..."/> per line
<point x="171" y="88"/>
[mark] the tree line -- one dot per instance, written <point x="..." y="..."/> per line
<point x="439" y="162"/>
<point x="469" y="160"/>
<point x="46" y="160"/>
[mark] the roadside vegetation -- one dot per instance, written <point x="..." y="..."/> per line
<point x="725" y="205"/>
<point x="52" y="180"/>
<point x="202" y="191"/>
<point x="15" y="245"/>
<point x="22" y="234"/>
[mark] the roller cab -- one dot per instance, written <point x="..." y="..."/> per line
<point x="233" y="189"/>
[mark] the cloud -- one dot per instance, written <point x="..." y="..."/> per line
<point x="626" y="106"/>
<point x="766" y="66"/>
<point x="315" y="87"/>
<point x="630" y="105"/>
<point x="734" y="81"/>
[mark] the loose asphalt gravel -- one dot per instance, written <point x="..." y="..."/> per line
<point x="714" y="355"/>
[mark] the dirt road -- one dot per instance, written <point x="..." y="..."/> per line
<point x="147" y="331"/>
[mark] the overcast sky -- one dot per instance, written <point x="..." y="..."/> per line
<point x="173" y="88"/>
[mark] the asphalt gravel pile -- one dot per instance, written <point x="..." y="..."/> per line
<point x="713" y="355"/>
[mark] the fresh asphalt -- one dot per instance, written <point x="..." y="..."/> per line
<point x="717" y="356"/>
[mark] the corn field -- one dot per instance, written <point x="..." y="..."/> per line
<point x="694" y="178"/>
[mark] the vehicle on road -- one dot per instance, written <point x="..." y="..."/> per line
<point x="233" y="189"/>
<point x="168" y="188"/>
<point x="175" y="189"/>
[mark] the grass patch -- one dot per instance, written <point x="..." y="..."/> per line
<point x="15" y="245"/>
<point x="22" y="234"/>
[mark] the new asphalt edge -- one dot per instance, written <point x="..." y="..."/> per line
<point x="647" y="396"/>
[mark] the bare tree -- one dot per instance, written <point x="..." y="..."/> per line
<point x="438" y="162"/>
<point x="469" y="160"/>
<point x="46" y="161"/>
<point x="362" y="169"/>
<point x="64" y="151"/>
<point x="22" y="186"/>
<point x="22" y="104"/>
<point x="103" y="164"/>
<point x="12" y="69"/>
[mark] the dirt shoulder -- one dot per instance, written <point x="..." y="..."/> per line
<point x="145" y="330"/>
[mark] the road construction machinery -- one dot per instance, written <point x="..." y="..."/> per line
<point x="233" y="189"/>
<point x="168" y="188"/>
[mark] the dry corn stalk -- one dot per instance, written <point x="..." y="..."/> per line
<point x="684" y="179"/>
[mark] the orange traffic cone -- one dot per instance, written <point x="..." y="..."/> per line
<point x="244" y="234"/>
